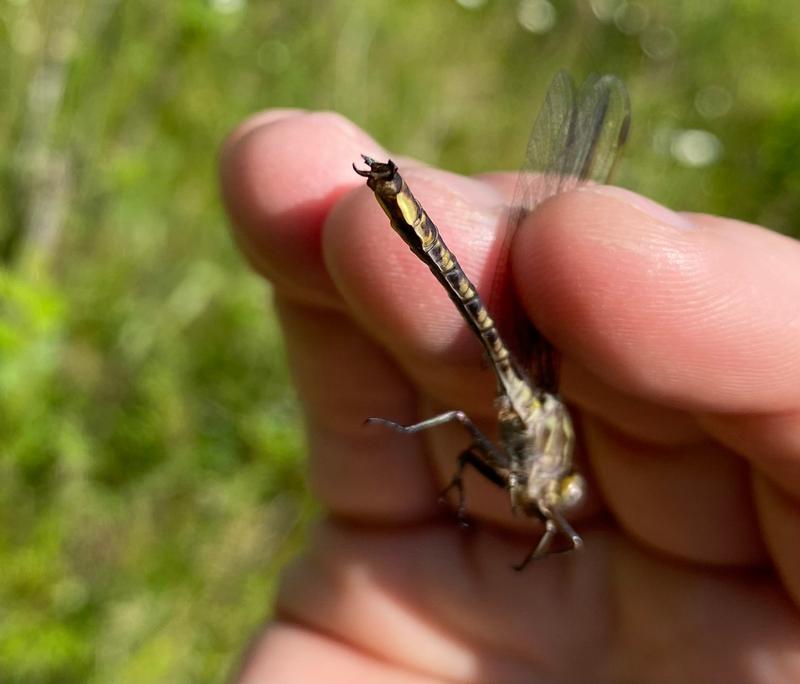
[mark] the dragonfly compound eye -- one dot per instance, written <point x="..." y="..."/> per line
<point x="572" y="490"/>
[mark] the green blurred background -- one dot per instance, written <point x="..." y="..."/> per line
<point x="151" y="454"/>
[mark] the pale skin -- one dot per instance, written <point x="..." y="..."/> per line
<point x="681" y="343"/>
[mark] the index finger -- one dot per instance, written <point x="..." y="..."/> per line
<point x="303" y="219"/>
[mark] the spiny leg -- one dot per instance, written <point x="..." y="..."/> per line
<point x="481" y="455"/>
<point x="473" y="457"/>
<point x="542" y="548"/>
<point x="554" y="522"/>
<point x="480" y="441"/>
<point x="568" y="532"/>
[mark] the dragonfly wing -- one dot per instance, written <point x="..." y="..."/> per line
<point x="602" y="121"/>
<point x="545" y="160"/>
<point x="576" y="139"/>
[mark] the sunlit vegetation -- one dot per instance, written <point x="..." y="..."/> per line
<point x="151" y="453"/>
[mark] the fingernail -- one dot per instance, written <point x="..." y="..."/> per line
<point x="640" y="203"/>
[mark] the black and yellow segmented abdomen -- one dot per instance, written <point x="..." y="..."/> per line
<point x="414" y="225"/>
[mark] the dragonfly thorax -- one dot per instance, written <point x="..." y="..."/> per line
<point x="541" y="456"/>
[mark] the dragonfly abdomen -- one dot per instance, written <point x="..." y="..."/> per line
<point x="419" y="232"/>
<point x="466" y="298"/>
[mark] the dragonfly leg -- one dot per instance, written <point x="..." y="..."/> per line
<point x="480" y="441"/>
<point x="482" y="455"/>
<point x="457" y="483"/>
<point x="542" y="548"/>
<point x="568" y="532"/>
<point x="554" y="522"/>
<point x="474" y="458"/>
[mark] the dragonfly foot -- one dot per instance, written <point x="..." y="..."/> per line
<point x="461" y="511"/>
<point x="386" y="423"/>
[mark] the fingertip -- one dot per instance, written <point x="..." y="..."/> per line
<point x="281" y="172"/>
<point x="279" y="159"/>
<point x="236" y="160"/>
<point x="253" y="122"/>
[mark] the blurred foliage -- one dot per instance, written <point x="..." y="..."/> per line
<point x="151" y="477"/>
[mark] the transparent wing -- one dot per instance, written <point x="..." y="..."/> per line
<point x="576" y="139"/>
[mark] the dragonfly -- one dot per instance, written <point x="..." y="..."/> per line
<point x="576" y="139"/>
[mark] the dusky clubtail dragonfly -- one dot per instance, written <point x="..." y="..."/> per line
<point x="575" y="139"/>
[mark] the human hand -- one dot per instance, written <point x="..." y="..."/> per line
<point x="681" y="343"/>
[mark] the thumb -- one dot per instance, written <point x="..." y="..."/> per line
<point x="691" y="311"/>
